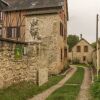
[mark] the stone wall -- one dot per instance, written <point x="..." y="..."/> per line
<point x="14" y="70"/>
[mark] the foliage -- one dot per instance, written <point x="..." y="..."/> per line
<point x="76" y="61"/>
<point x="69" y="91"/>
<point x="72" y="40"/>
<point x="95" y="89"/>
<point x="66" y="66"/>
<point x="18" y="51"/>
<point x="25" y="90"/>
<point x="94" y="44"/>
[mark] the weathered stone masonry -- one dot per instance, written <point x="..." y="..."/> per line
<point x="25" y="69"/>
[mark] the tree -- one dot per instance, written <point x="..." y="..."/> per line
<point x="72" y="40"/>
<point x="94" y="44"/>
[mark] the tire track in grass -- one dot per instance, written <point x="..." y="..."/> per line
<point x="45" y="94"/>
<point x="70" y="89"/>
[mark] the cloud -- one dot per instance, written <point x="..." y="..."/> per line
<point x="82" y="18"/>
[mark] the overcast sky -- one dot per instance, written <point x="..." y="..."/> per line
<point x="82" y="18"/>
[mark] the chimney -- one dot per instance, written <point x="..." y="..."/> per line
<point x="80" y="36"/>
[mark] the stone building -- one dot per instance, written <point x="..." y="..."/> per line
<point x="81" y="52"/>
<point x="33" y="40"/>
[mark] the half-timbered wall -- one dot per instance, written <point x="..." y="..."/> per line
<point x="14" y="25"/>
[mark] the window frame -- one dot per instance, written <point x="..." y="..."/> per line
<point x="78" y="48"/>
<point x="13" y="32"/>
<point x="85" y="48"/>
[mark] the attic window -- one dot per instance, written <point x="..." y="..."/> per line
<point x="78" y="49"/>
<point x="85" y="48"/>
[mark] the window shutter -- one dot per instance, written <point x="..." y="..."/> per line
<point x="9" y="32"/>
<point x="18" y="32"/>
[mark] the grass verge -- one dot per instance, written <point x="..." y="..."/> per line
<point x="25" y="90"/>
<point x="95" y="89"/>
<point x="71" y="88"/>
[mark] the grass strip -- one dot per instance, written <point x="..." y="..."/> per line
<point x="25" y="90"/>
<point x="95" y="89"/>
<point x="69" y="92"/>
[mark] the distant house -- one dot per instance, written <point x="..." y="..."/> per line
<point x="81" y="52"/>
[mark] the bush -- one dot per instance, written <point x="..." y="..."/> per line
<point x="75" y="61"/>
<point x="95" y="89"/>
<point x="66" y="66"/>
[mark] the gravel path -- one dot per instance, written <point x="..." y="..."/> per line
<point x="45" y="94"/>
<point x="84" y="92"/>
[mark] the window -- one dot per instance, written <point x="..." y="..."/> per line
<point x="78" y="49"/>
<point x="84" y="58"/>
<point x="0" y="32"/>
<point x="65" y="52"/>
<point x="61" y="29"/>
<point x="1" y="16"/>
<point x="85" y="48"/>
<point x="13" y="32"/>
<point x="1" y="43"/>
<point x="61" y="55"/>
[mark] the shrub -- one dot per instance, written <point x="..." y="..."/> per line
<point x="95" y="89"/>
<point x="75" y="61"/>
<point x="66" y="66"/>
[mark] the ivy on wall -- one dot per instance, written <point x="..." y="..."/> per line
<point x="18" y="51"/>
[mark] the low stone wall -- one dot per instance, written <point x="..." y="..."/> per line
<point x="37" y="56"/>
<point x="16" y="70"/>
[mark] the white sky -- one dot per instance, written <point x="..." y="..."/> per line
<point x="82" y="18"/>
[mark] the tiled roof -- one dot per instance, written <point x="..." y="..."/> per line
<point x="2" y="4"/>
<point x="33" y="4"/>
<point x="11" y="1"/>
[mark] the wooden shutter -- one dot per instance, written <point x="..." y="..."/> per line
<point x="18" y="32"/>
<point x="9" y="32"/>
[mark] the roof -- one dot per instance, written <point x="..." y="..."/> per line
<point x="3" y="4"/>
<point x="10" y="2"/>
<point x="54" y="11"/>
<point x="85" y="41"/>
<point x="33" y="4"/>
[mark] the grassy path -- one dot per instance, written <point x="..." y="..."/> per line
<point x="85" y="87"/>
<point x="45" y="94"/>
<point x="25" y="90"/>
<point x="70" y="89"/>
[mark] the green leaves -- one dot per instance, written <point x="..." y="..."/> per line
<point x="18" y="51"/>
<point x="72" y="40"/>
